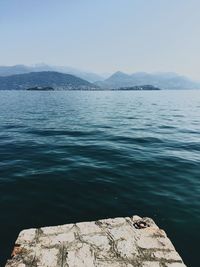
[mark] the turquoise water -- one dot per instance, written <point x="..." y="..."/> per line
<point x="76" y="156"/>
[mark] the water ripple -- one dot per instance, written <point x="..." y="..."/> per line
<point x="75" y="156"/>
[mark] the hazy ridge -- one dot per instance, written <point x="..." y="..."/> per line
<point x="46" y="78"/>
<point x="161" y="80"/>
<point x="45" y="75"/>
<point x="21" y="69"/>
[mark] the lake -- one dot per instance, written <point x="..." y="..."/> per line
<point x="78" y="156"/>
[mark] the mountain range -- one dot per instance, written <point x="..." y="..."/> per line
<point x="21" y="69"/>
<point x="59" y="81"/>
<point x="67" y="78"/>
<point x="160" y="80"/>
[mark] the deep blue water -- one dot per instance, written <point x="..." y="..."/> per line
<point x="76" y="156"/>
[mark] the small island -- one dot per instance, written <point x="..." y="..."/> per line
<point x="140" y="88"/>
<point x="38" y="88"/>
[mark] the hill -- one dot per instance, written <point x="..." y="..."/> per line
<point x="160" y="80"/>
<point x="56" y="80"/>
<point x="22" y="69"/>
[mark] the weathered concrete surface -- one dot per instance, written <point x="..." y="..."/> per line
<point x="119" y="242"/>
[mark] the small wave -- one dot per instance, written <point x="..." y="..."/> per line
<point x="137" y="140"/>
<point x="188" y="131"/>
<point x="166" y="127"/>
<point x="12" y="126"/>
<point x="62" y="132"/>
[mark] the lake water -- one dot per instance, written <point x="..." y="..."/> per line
<point x="78" y="156"/>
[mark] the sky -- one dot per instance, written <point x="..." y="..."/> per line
<point x="103" y="36"/>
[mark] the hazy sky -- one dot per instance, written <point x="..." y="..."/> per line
<point x="103" y="35"/>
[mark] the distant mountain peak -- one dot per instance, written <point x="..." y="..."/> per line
<point x="119" y="73"/>
<point x="118" y="76"/>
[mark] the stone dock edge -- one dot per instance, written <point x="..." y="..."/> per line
<point x="118" y="242"/>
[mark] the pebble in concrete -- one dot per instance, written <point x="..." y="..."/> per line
<point x="119" y="242"/>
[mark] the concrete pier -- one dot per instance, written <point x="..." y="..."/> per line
<point x="119" y="242"/>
